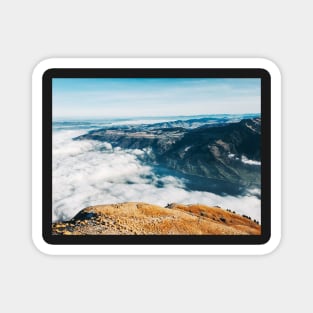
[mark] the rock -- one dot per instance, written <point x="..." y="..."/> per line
<point x="59" y="226"/>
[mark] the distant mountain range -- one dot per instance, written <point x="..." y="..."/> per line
<point x="229" y="152"/>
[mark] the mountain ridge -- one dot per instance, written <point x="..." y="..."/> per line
<point x="138" y="218"/>
<point x="209" y="151"/>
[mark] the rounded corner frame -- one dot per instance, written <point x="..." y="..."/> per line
<point x="257" y="249"/>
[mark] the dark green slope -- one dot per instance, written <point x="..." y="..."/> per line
<point x="219" y="152"/>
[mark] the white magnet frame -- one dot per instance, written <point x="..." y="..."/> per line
<point x="255" y="249"/>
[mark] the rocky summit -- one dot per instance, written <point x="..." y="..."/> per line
<point x="137" y="218"/>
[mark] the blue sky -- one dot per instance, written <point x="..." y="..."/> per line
<point x="129" y="97"/>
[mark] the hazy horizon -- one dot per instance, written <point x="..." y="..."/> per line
<point x="78" y="118"/>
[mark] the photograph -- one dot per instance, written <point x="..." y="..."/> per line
<point x="156" y="156"/>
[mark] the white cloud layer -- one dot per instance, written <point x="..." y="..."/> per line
<point x="90" y="173"/>
<point x="245" y="160"/>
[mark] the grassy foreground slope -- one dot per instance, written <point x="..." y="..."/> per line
<point x="137" y="218"/>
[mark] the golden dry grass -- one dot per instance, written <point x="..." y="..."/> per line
<point x="137" y="218"/>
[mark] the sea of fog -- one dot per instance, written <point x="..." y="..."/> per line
<point x="89" y="172"/>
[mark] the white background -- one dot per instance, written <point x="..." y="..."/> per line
<point x="35" y="30"/>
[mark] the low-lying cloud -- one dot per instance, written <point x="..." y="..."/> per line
<point x="245" y="160"/>
<point x="89" y="173"/>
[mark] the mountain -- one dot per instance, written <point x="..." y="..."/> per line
<point x="226" y="152"/>
<point x="219" y="152"/>
<point x="136" y="218"/>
